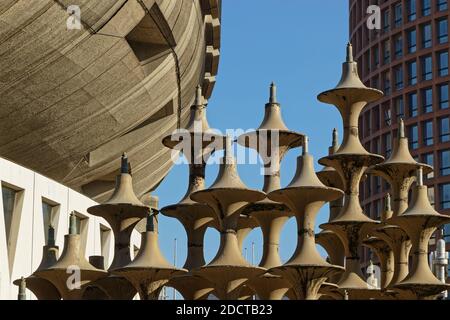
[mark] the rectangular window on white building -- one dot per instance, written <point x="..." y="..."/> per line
<point x="82" y="228"/>
<point x="105" y="238"/>
<point x="9" y="203"/>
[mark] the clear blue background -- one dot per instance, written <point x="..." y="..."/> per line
<point x="300" y="45"/>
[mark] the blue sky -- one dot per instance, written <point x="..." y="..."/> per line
<point x="300" y="45"/>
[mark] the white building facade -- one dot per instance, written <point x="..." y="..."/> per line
<point x="29" y="203"/>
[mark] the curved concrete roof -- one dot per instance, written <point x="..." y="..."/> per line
<point x="71" y="101"/>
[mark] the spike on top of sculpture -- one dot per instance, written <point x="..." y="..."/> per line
<point x="335" y="143"/>
<point x="22" y="289"/>
<point x="51" y="235"/>
<point x="124" y="165"/>
<point x="273" y="93"/>
<point x="387" y="212"/>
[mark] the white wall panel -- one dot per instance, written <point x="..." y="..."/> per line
<point x="30" y="230"/>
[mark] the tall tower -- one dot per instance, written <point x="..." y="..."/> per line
<point x="406" y="56"/>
